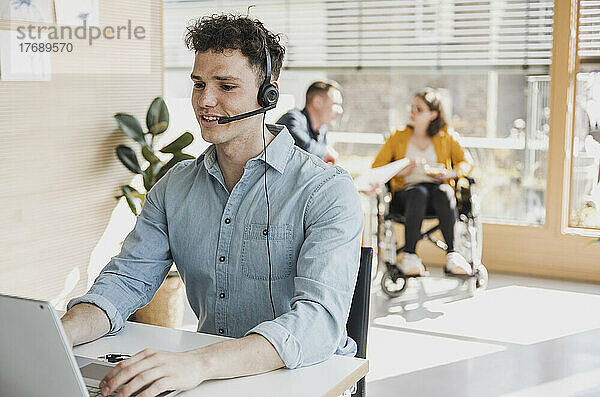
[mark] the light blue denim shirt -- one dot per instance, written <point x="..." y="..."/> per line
<point x="217" y="242"/>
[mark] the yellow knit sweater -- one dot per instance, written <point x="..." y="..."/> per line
<point x="447" y="149"/>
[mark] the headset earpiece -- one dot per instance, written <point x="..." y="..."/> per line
<point x="268" y="94"/>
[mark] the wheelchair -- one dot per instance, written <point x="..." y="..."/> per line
<point x="467" y="235"/>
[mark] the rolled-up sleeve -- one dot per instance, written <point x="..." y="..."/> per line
<point x="131" y="278"/>
<point x="315" y="327"/>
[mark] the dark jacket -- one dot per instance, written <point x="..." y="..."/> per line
<point x="298" y="124"/>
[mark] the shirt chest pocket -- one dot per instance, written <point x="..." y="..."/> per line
<point x="255" y="263"/>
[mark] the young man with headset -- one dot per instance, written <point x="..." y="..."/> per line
<point x="265" y="236"/>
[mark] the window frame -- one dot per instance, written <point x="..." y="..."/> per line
<point x="568" y="205"/>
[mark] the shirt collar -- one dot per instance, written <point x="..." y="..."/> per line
<point x="278" y="151"/>
<point x="315" y="134"/>
<point x="208" y="157"/>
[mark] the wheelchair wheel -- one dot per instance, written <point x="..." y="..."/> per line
<point x="386" y="245"/>
<point x="392" y="288"/>
<point x="479" y="282"/>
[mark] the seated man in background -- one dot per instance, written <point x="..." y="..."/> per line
<point x="276" y="274"/>
<point x="309" y="125"/>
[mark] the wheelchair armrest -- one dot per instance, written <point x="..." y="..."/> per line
<point x="395" y="217"/>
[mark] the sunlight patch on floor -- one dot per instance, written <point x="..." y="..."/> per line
<point x="393" y="353"/>
<point x="514" y="314"/>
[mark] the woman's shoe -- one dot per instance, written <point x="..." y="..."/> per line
<point x="411" y="265"/>
<point x="457" y="264"/>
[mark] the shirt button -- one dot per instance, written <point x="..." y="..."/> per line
<point x="265" y="231"/>
<point x="222" y="295"/>
<point x="221" y="330"/>
<point x="222" y="258"/>
<point x="227" y="221"/>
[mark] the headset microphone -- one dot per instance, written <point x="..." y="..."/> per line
<point x="267" y="97"/>
<point x="225" y="120"/>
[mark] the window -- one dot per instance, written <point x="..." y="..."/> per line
<point x="585" y="161"/>
<point x="502" y="118"/>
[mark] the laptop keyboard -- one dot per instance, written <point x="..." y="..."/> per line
<point x="95" y="391"/>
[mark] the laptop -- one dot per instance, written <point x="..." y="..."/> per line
<point x="37" y="360"/>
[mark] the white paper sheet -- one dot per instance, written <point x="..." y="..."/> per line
<point x="75" y="12"/>
<point x="379" y="175"/>
<point x="27" y="10"/>
<point x="16" y="64"/>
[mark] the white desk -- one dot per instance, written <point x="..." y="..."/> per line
<point x="330" y="378"/>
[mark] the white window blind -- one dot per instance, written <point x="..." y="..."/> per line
<point x="387" y="33"/>
<point x="302" y="23"/>
<point x="589" y="29"/>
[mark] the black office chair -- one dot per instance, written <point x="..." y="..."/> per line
<point x="358" y="320"/>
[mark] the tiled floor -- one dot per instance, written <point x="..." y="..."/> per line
<point x="523" y="336"/>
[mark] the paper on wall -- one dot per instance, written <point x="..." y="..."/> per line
<point x="379" y="175"/>
<point x="76" y="12"/>
<point x="16" y="64"/>
<point x="27" y="10"/>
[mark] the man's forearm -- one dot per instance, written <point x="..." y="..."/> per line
<point x="250" y="355"/>
<point x="84" y="323"/>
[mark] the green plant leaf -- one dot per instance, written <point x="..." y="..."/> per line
<point x="149" y="155"/>
<point x="127" y="189"/>
<point x="157" y="117"/>
<point x="177" y="157"/>
<point x="165" y="168"/>
<point x="133" y="197"/>
<point x="184" y="156"/>
<point x="150" y="175"/>
<point x="155" y="169"/>
<point x="147" y="177"/>
<point x="135" y="194"/>
<point x="129" y="159"/>
<point x="132" y="127"/>
<point x="178" y="144"/>
<point x="131" y="205"/>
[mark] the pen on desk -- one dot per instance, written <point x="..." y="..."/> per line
<point x="114" y="357"/>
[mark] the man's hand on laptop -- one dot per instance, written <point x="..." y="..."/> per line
<point x="252" y="354"/>
<point x="162" y="370"/>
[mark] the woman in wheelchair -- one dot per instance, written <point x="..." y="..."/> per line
<point x="426" y="185"/>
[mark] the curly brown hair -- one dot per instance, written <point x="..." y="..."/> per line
<point x="433" y="99"/>
<point x="234" y="32"/>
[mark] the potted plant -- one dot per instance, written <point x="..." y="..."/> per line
<point x="157" y="121"/>
<point x="166" y="308"/>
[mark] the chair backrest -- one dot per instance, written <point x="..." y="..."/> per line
<point x="358" y="320"/>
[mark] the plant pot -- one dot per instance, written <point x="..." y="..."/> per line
<point x="167" y="307"/>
